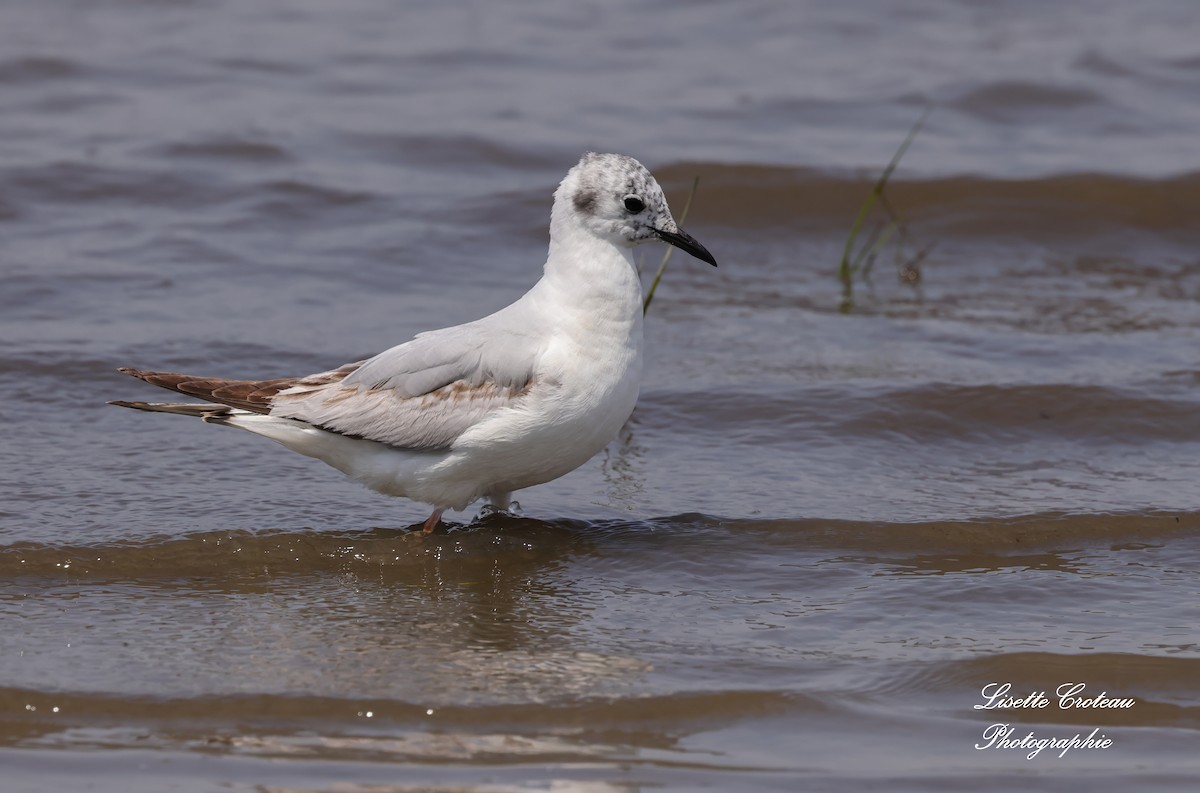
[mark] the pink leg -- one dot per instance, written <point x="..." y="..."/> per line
<point x="433" y="520"/>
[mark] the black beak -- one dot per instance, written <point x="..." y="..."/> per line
<point x="686" y="243"/>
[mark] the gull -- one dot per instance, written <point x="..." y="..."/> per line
<point x="480" y="410"/>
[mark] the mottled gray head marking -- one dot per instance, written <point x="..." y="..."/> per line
<point x="585" y="202"/>
<point x="617" y="199"/>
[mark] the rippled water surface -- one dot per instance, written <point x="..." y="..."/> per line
<point x="829" y="524"/>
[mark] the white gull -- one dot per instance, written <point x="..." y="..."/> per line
<point x="506" y="402"/>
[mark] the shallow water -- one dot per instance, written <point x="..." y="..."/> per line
<point x="825" y="528"/>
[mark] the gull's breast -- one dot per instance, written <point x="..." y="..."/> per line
<point x="578" y="402"/>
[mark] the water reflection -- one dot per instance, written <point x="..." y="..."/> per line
<point x="478" y="616"/>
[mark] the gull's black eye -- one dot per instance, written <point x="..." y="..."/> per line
<point x="634" y="204"/>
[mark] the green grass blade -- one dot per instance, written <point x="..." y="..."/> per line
<point x="850" y="263"/>
<point x="867" y="259"/>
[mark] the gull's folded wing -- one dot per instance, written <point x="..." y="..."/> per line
<point x="420" y="395"/>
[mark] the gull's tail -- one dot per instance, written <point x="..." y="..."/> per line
<point x="246" y="405"/>
<point x="227" y="398"/>
<point x="207" y="411"/>
<point x="252" y="395"/>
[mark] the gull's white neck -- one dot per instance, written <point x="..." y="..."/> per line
<point x="590" y="279"/>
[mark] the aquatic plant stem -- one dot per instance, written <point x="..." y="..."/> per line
<point x="850" y="264"/>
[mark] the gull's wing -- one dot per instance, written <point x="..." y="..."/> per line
<point x="420" y="395"/>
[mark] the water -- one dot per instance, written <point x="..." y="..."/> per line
<point x="822" y="532"/>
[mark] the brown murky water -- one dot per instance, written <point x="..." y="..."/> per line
<point x="823" y="532"/>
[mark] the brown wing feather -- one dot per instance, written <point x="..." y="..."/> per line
<point x="252" y="395"/>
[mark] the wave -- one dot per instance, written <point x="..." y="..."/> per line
<point x="757" y="196"/>
<point x="524" y="542"/>
<point x="932" y="412"/>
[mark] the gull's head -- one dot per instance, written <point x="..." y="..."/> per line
<point x="615" y="198"/>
